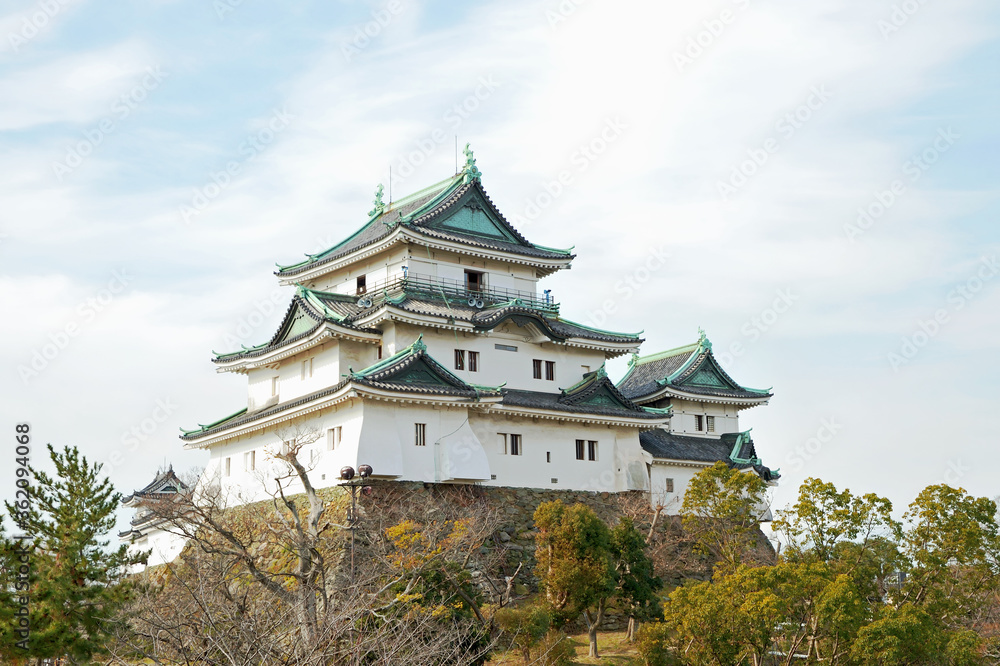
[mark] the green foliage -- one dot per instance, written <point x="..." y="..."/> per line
<point x="556" y="649"/>
<point x="637" y="584"/>
<point x="525" y="627"/>
<point x="575" y="562"/>
<point x="722" y="511"/>
<point x="77" y="582"/>
<point x="953" y="543"/>
<point x="653" y="645"/>
<point x="823" y="519"/>
<point x="573" y="551"/>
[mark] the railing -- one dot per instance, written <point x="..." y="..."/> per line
<point x="456" y="291"/>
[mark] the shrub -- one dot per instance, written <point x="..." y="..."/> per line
<point x="556" y="650"/>
<point x="653" y="644"/>
<point x="524" y="626"/>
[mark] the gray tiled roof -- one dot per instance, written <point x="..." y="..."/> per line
<point x="409" y="213"/>
<point x="555" y="402"/>
<point x="642" y="379"/>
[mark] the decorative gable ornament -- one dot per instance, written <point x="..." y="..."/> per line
<point x="470" y="171"/>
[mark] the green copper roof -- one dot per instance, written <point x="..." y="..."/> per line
<point x="213" y="424"/>
<point x="600" y="330"/>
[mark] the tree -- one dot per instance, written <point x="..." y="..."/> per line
<point x="574" y="555"/>
<point x="77" y="583"/>
<point x="526" y="627"/>
<point x="722" y="511"/>
<point x="823" y="518"/>
<point x="953" y="543"/>
<point x="637" y="585"/>
<point x="268" y="582"/>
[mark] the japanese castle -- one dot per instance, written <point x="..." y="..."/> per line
<point x="421" y="346"/>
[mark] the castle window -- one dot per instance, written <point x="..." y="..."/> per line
<point x="548" y="456"/>
<point x="229" y="466"/>
<point x="378" y="353"/>
<point x="710" y="423"/>
<point x="274" y="386"/>
<point x="670" y="485"/>
<point x="474" y="280"/>
<point x="699" y="422"/>
<point x="250" y="461"/>
<point x="591" y="450"/>
<point x="362" y="285"/>
<point x="580" y="444"/>
<point x="420" y="434"/>
<point x="550" y="370"/>
<point x="307" y="368"/>
<point x="460" y="359"/>
<point x="333" y="437"/>
<point x="536" y="369"/>
<point x="512" y="348"/>
<point x="473" y="361"/>
<point x="509" y="444"/>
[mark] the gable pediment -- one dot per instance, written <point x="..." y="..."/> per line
<point x="708" y="375"/>
<point x="474" y="216"/>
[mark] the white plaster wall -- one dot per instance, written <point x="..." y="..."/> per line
<point x="684" y="411"/>
<point x="682" y="475"/>
<point x="163" y="546"/>
<point x="498" y="366"/>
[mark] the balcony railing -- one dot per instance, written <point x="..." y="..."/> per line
<point x="455" y="291"/>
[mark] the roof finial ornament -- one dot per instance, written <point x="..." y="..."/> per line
<point x="379" y="204"/>
<point x="470" y="170"/>
<point x="703" y="338"/>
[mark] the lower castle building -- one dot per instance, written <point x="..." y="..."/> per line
<point x="421" y="345"/>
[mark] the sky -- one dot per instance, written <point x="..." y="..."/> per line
<point x="815" y="184"/>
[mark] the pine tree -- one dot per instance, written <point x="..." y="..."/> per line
<point x="77" y="582"/>
<point x="637" y="583"/>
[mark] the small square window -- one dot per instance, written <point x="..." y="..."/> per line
<point x="536" y="369"/>
<point x="420" y="434"/>
<point x="710" y="423"/>
<point x="550" y="370"/>
<point x="473" y="361"/>
<point x="460" y="359"/>
<point x="515" y="445"/>
<point x="580" y="444"/>
<point x="591" y="450"/>
<point x="554" y="480"/>
<point x="670" y="485"/>
<point x="699" y="422"/>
